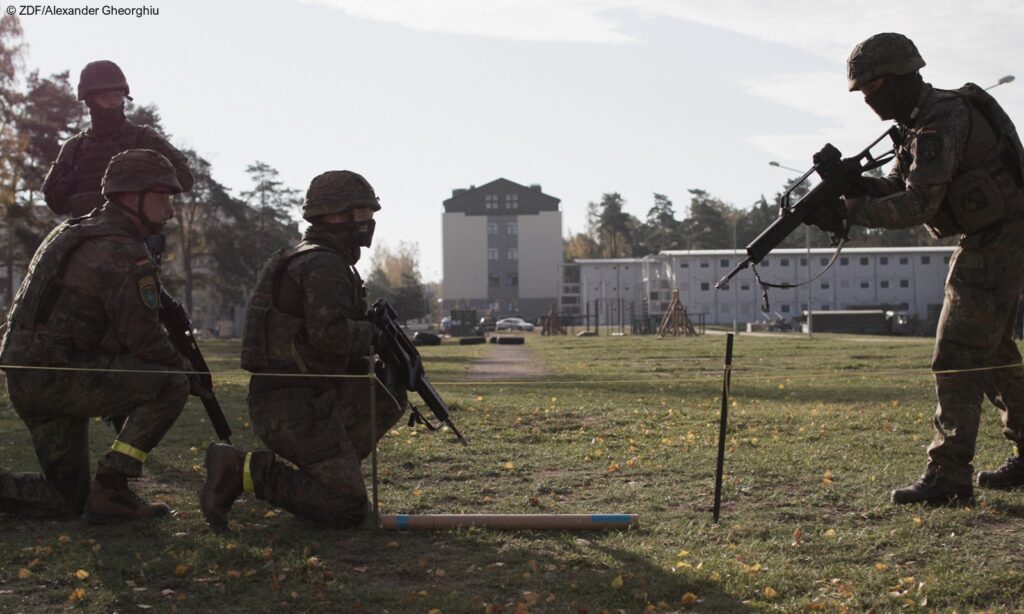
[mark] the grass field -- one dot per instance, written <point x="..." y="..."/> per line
<point x="821" y="430"/>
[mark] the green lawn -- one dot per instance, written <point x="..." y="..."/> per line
<point x="821" y="430"/>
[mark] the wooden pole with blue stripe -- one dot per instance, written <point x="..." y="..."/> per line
<point x="529" y="522"/>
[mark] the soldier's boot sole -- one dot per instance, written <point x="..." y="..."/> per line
<point x="224" y="466"/>
<point x="943" y="498"/>
<point x="132" y="508"/>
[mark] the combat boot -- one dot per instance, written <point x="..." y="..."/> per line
<point x="225" y="465"/>
<point x="110" y="500"/>
<point x="933" y="489"/>
<point x="1007" y="477"/>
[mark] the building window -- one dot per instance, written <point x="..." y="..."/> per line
<point x="511" y="229"/>
<point x="492" y="253"/>
<point x="865" y="284"/>
<point x="654" y="296"/>
<point x="824" y="261"/>
<point x="513" y="253"/>
<point x="513" y="280"/>
<point x="784" y="262"/>
<point x="843" y="261"/>
<point x="744" y="286"/>
<point x="803" y="262"/>
<point x="491" y="201"/>
<point x="724" y="287"/>
<point x="511" y="201"/>
<point x="826" y="307"/>
<point x="904" y="260"/>
<point x="883" y="260"/>
<point x="724" y="262"/>
<point x="684" y="265"/>
<point x="926" y="260"/>
<point x="824" y="285"/>
<point x="785" y="309"/>
<point x="765" y="262"/>
<point x="945" y="260"/>
<point x="570" y="300"/>
<point x="703" y="264"/>
<point x="884" y="283"/>
<point x="863" y="261"/>
<point x="493" y="280"/>
<point x="705" y="286"/>
<point x="492" y="228"/>
<point x="904" y="283"/>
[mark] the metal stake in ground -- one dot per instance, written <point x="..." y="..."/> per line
<point x="372" y="380"/>
<point x="722" y="425"/>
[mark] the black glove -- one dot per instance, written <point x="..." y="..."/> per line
<point x="829" y="216"/>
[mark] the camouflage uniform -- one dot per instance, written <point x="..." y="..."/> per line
<point x="307" y="315"/>
<point x="90" y="300"/>
<point x="959" y="172"/>
<point x="72" y="185"/>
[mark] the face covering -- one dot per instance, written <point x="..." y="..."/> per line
<point x="362" y="233"/>
<point x="897" y="97"/>
<point x="105" y="120"/>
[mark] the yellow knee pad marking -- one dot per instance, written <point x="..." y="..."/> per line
<point x="127" y="450"/>
<point x="247" y="483"/>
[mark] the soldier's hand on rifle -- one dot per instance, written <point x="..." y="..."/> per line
<point x="829" y="216"/>
<point x="380" y="340"/>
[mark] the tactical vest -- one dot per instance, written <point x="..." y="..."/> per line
<point x="92" y="155"/>
<point x="990" y="188"/>
<point x="51" y="324"/>
<point x="277" y="341"/>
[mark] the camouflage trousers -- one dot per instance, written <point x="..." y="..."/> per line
<point x="325" y="433"/>
<point x="976" y="331"/>
<point x="56" y="406"/>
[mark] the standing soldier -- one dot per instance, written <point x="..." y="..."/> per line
<point x="72" y="187"/>
<point x="90" y="303"/>
<point x="959" y="171"/>
<point x="307" y="315"/>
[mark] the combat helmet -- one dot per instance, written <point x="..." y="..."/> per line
<point x="101" y="76"/>
<point x="338" y="192"/>
<point x="139" y="170"/>
<point x="882" y="55"/>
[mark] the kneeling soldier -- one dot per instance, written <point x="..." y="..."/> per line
<point x="307" y="315"/>
<point x="90" y="301"/>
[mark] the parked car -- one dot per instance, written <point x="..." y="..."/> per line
<point x="487" y="324"/>
<point x="513" y="324"/>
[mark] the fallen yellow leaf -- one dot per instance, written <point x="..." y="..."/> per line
<point x="917" y="520"/>
<point x="770" y="592"/>
<point x="831" y="533"/>
<point x="688" y="598"/>
<point x="63" y="539"/>
<point x="612" y="468"/>
<point x="270" y="514"/>
<point x="234" y="573"/>
<point x="881" y="566"/>
<point x="683" y="554"/>
<point x="180" y="569"/>
<point x="81" y="574"/>
<point x="77" y="595"/>
<point x="24" y="573"/>
<point x="617" y="582"/>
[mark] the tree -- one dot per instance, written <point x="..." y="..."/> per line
<point x="709" y="224"/>
<point x="395" y="275"/>
<point x="661" y="230"/>
<point x="616" y="230"/>
<point x="273" y="204"/>
<point x="580" y="246"/>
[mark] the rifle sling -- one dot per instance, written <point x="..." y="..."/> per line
<point x="765" y="285"/>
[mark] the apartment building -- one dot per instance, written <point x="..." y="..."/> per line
<point x="502" y="249"/>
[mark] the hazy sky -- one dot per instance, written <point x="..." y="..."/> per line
<point x="581" y="96"/>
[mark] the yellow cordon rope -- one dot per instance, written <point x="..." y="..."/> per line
<point x="247" y="483"/>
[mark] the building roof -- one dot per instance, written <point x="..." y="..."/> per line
<point x="936" y="249"/>
<point x="462" y="198"/>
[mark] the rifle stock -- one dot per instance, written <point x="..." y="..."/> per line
<point x="401" y="355"/>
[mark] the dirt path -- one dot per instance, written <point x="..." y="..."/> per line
<point x="508" y="362"/>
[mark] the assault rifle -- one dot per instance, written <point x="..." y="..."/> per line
<point x="838" y="176"/>
<point x="401" y="355"/>
<point x="179" y="329"/>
